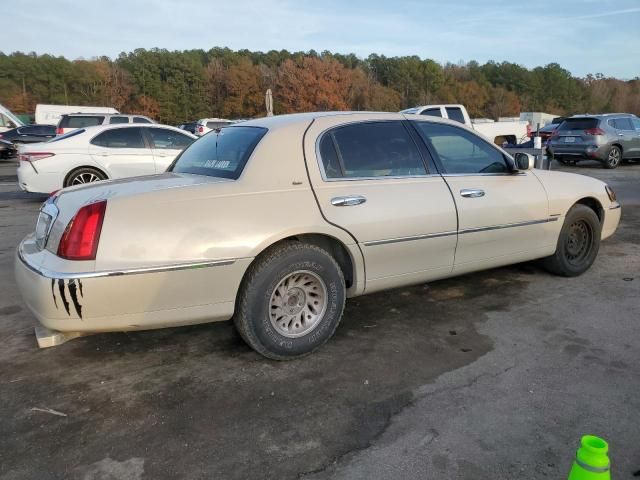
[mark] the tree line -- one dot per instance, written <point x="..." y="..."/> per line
<point x="178" y="86"/>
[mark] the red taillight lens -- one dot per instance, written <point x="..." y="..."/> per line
<point x="33" y="156"/>
<point x="201" y="129"/>
<point x="594" y="131"/>
<point x="80" y="238"/>
<point x="59" y="131"/>
<point x="555" y="133"/>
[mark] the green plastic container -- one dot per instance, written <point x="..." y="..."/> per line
<point x="592" y="462"/>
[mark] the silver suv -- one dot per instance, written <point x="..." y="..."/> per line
<point x="609" y="138"/>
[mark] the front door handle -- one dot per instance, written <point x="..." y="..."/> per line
<point x="472" y="193"/>
<point x="348" y="200"/>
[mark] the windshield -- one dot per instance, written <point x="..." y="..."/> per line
<point x="221" y="153"/>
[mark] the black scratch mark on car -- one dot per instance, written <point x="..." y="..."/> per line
<point x="63" y="296"/>
<point x="80" y="285"/>
<point x="73" y="291"/>
<point x="53" y="292"/>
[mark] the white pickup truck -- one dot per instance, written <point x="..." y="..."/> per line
<point x="511" y="131"/>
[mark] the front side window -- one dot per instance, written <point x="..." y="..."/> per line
<point x="460" y="151"/>
<point x="113" y="120"/>
<point x="455" y="113"/>
<point x="372" y="149"/>
<point x="120" y="138"/>
<point x="222" y="153"/>
<point x="163" y="138"/>
<point x="636" y="123"/>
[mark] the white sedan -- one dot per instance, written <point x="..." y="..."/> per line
<point x="97" y="153"/>
<point x="275" y="222"/>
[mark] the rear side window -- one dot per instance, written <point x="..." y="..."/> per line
<point x="221" y="153"/>
<point x="376" y="149"/>
<point x="636" y="123"/>
<point x="113" y="120"/>
<point x="460" y="151"/>
<point x="141" y="120"/>
<point x="622" y="124"/>
<point x="120" y="138"/>
<point x="578" y="124"/>
<point x="163" y="138"/>
<point x="81" y="122"/>
<point x="432" y="112"/>
<point x="455" y="113"/>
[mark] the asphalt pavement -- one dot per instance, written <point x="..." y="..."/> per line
<point x="490" y="375"/>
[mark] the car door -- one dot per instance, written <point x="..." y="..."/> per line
<point x="636" y="141"/>
<point x="166" y="144"/>
<point x="123" y="152"/>
<point x="372" y="180"/>
<point x="503" y="217"/>
<point x="626" y="134"/>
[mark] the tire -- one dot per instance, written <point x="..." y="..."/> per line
<point x="578" y="243"/>
<point x="561" y="160"/>
<point x="275" y="310"/>
<point x="84" y="175"/>
<point x="614" y="158"/>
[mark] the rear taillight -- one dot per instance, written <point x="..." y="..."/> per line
<point x="554" y="134"/>
<point x="59" y="131"/>
<point x="80" y="238"/>
<point x="201" y="129"/>
<point x="594" y="131"/>
<point x="34" y="156"/>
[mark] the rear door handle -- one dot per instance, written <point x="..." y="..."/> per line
<point x="348" y="200"/>
<point x="472" y="193"/>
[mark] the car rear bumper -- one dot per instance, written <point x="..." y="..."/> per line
<point x="30" y="180"/>
<point x="591" y="151"/>
<point x="134" y="299"/>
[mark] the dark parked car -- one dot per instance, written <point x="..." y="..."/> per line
<point x="609" y="138"/>
<point x="7" y="150"/>
<point x="29" y="134"/>
<point x="189" y="127"/>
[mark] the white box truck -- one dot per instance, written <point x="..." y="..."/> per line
<point x="50" y="114"/>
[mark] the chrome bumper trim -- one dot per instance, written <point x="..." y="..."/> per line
<point x="44" y="272"/>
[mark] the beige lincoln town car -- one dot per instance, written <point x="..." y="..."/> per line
<point x="275" y="222"/>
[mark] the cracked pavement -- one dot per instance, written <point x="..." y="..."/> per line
<point x="490" y="375"/>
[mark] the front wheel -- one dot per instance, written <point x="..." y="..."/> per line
<point x="290" y="301"/>
<point x="578" y="243"/>
<point x="614" y="157"/>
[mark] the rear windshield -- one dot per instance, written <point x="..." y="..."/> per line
<point x="214" y="125"/>
<point x="221" y="153"/>
<point x="81" y="122"/>
<point x="578" y="124"/>
<point x="67" y="135"/>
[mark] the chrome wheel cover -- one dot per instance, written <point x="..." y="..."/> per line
<point x="298" y="304"/>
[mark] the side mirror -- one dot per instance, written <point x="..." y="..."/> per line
<point x="524" y="161"/>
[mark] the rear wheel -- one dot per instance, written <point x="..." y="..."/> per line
<point x="614" y="157"/>
<point x="290" y="301"/>
<point x="84" y="175"/>
<point x="578" y="243"/>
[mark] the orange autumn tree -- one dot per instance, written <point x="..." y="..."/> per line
<point x="311" y="83"/>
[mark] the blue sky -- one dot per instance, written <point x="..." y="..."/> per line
<point x="584" y="36"/>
